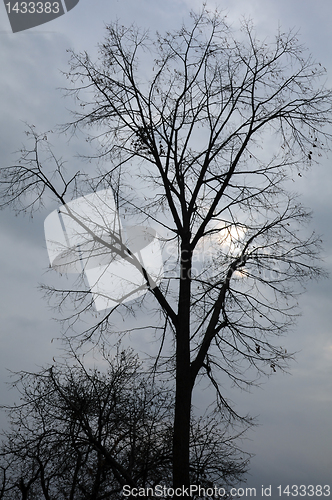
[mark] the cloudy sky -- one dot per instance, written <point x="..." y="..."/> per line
<point x="293" y="443"/>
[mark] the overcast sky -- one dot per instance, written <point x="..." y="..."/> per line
<point x="293" y="444"/>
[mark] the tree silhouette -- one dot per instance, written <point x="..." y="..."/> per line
<point x="202" y="130"/>
<point x="84" y="433"/>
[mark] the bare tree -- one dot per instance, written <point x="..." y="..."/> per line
<point x="83" y="433"/>
<point x="212" y="126"/>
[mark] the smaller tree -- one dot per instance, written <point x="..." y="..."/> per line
<point x="81" y="433"/>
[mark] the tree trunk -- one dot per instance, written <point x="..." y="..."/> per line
<point x="183" y="394"/>
<point x="181" y="423"/>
